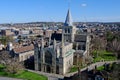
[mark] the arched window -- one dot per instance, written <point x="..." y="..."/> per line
<point x="83" y="47"/>
<point x="48" y="57"/>
<point x="68" y="30"/>
<point x="79" y="47"/>
<point x="65" y="30"/>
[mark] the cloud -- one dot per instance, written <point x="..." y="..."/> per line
<point x="83" y="5"/>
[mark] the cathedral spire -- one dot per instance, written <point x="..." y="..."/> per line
<point x="68" y="21"/>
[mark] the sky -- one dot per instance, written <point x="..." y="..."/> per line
<point x="19" y="11"/>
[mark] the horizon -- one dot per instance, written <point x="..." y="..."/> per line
<point x="27" y="11"/>
<point x="54" y="22"/>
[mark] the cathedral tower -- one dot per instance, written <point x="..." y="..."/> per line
<point x="68" y="29"/>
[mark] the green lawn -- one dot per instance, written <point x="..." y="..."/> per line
<point x="30" y="76"/>
<point x="104" y="56"/>
<point x="73" y="69"/>
<point x="2" y="73"/>
<point x="26" y="75"/>
<point x="100" y="68"/>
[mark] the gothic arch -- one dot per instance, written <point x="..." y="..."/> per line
<point x="69" y="30"/>
<point x="66" y="30"/>
<point x="48" y="57"/>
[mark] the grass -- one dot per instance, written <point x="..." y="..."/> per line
<point x="104" y="56"/>
<point x="2" y="70"/>
<point x="100" y="68"/>
<point x="75" y="68"/>
<point x="30" y="76"/>
<point x="111" y="67"/>
<point x="25" y="75"/>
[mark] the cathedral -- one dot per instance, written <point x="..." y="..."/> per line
<point x="58" y="58"/>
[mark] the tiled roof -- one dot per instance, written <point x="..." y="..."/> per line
<point x="23" y="49"/>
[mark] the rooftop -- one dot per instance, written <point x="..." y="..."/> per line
<point x="23" y="49"/>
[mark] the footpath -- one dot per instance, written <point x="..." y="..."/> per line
<point x="52" y="76"/>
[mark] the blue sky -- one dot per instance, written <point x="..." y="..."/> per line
<point x="12" y="11"/>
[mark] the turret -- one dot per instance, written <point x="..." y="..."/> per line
<point x="42" y="54"/>
<point x="54" y="44"/>
<point x="42" y="43"/>
<point x="62" y="44"/>
<point x="54" y="56"/>
<point x="49" y="40"/>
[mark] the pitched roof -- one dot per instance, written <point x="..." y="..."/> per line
<point x="23" y="49"/>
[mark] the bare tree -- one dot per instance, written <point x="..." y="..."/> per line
<point x="98" y="44"/>
<point x="12" y="65"/>
<point x="15" y="66"/>
<point x="89" y="59"/>
<point x="115" y="47"/>
<point x="4" y="57"/>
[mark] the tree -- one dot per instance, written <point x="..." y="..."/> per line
<point x="12" y="65"/>
<point x="89" y="59"/>
<point x="10" y="38"/>
<point x="115" y="75"/>
<point x="5" y="39"/>
<point x="109" y="36"/>
<point x="115" y="47"/>
<point x="98" y="44"/>
<point x="4" y="57"/>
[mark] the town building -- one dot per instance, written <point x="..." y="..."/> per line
<point x="6" y="32"/>
<point x="21" y="52"/>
